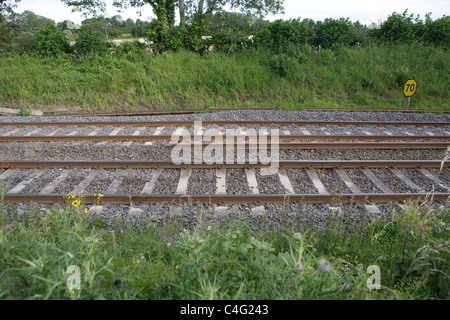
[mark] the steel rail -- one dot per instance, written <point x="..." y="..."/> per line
<point x="256" y="199"/>
<point x="151" y="112"/>
<point x="376" y="110"/>
<point x="194" y="111"/>
<point x="175" y="137"/>
<point x="220" y="123"/>
<point x="284" y="164"/>
<point x="282" y="145"/>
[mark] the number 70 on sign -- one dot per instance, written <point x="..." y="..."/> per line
<point x="410" y="88"/>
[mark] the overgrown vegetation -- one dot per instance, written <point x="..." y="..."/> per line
<point x="244" y="62"/>
<point x="132" y="79"/>
<point x="225" y="260"/>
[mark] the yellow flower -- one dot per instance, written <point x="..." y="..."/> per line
<point x="100" y="195"/>
<point x="76" y="203"/>
<point x="85" y="211"/>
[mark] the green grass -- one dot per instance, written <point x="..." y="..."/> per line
<point x="369" y="77"/>
<point x="225" y="260"/>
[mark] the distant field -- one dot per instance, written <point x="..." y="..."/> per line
<point x="369" y="77"/>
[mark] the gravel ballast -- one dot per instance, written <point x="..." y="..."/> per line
<point x="204" y="181"/>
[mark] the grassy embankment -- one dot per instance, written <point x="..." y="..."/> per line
<point x="369" y="77"/>
<point x="225" y="260"/>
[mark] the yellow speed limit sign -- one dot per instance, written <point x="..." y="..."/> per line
<point x="410" y="88"/>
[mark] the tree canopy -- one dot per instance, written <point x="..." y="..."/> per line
<point x="165" y="9"/>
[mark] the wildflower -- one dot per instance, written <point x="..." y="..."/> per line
<point x="298" y="267"/>
<point x="100" y="195"/>
<point x="324" y="265"/>
<point x="88" y="239"/>
<point x="86" y="211"/>
<point x="168" y="244"/>
<point x="273" y="272"/>
<point x="297" y="236"/>
<point x="262" y="247"/>
<point x="36" y="262"/>
<point x="76" y="203"/>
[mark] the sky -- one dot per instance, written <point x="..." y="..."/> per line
<point x="367" y="12"/>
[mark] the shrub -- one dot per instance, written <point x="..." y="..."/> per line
<point x="438" y="32"/>
<point x="90" y="43"/>
<point x="6" y="33"/>
<point x="229" y="41"/>
<point x="24" y="42"/>
<point x="51" y="41"/>
<point x="280" y="64"/>
<point x="334" y="32"/>
<point x="282" y="34"/>
<point x="131" y="49"/>
<point x="400" y="28"/>
<point x="176" y="38"/>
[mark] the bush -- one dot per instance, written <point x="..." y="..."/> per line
<point x="229" y="41"/>
<point x="51" y="41"/>
<point x="172" y="39"/>
<point x="334" y="32"/>
<point x="280" y="35"/>
<point x="280" y="64"/>
<point x="131" y="49"/>
<point x="176" y="38"/>
<point x="400" y="28"/>
<point x="90" y="43"/>
<point x="6" y="33"/>
<point x="25" y="42"/>
<point x="438" y="32"/>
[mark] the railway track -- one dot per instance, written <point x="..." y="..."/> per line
<point x="50" y="181"/>
<point x="294" y="134"/>
<point x="218" y="192"/>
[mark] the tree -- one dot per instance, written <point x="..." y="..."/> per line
<point x="165" y="36"/>
<point x="6" y="7"/>
<point x="437" y="32"/>
<point x="141" y="28"/>
<point x="257" y="7"/>
<point x="89" y="43"/>
<point x="165" y="9"/>
<point x="51" y="41"/>
<point x="284" y="36"/>
<point x="24" y="42"/>
<point x="332" y="32"/>
<point x="31" y="22"/>
<point x="246" y="23"/>
<point x="6" y="27"/>
<point x="400" y="28"/>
